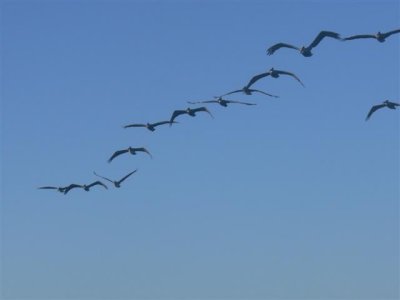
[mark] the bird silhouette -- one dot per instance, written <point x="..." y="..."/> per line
<point x="59" y="189"/>
<point x="386" y="103"/>
<point x="222" y="102"/>
<point x="305" y="50"/>
<point x="117" y="183"/>
<point x="131" y="150"/>
<point x="189" y="111"/>
<point x="247" y="91"/>
<point x="379" y="36"/>
<point x="273" y="73"/>
<point x="86" y="187"/>
<point x="149" y="126"/>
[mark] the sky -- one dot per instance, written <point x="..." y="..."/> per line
<point x="293" y="198"/>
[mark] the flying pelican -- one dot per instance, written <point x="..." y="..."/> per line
<point x="273" y="73"/>
<point x="149" y="126"/>
<point x="131" y="150"/>
<point x="117" y="183"/>
<point x="386" y="103"/>
<point x="222" y="102"/>
<point x="59" y="189"/>
<point x="246" y="90"/>
<point x="305" y="50"/>
<point x="379" y="36"/>
<point x="86" y="187"/>
<point x="189" y="111"/>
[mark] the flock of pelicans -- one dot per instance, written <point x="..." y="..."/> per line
<point x="247" y="90"/>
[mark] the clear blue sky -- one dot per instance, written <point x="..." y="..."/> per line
<point x="295" y="198"/>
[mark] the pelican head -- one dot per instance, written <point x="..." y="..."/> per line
<point x="246" y="90"/>
<point x="305" y="51"/>
<point x="380" y="37"/>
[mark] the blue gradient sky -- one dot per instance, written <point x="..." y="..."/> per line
<point x="295" y="198"/>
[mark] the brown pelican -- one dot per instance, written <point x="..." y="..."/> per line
<point x="386" y="103"/>
<point x="246" y="90"/>
<point x="116" y="183"/>
<point x="59" y="189"/>
<point x="131" y="150"/>
<point x="305" y="50"/>
<point x="222" y="102"/>
<point x="189" y="111"/>
<point x="149" y="126"/>
<point x="86" y="187"/>
<point x="273" y="73"/>
<point x="379" y="36"/>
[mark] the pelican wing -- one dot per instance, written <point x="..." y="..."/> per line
<point x="233" y="92"/>
<point x="387" y="34"/>
<point x="275" y="47"/>
<point x="97" y="183"/>
<point x="240" y="102"/>
<point x="258" y="91"/>
<point x="257" y="77"/>
<point x="105" y="178"/>
<point x="203" y="108"/>
<point x="323" y="34"/>
<point x="360" y="36"/>
<point x="134" y="125"/>
<point x="72" y="186"/>
<point x="290" y="74"/>
<point x="175" y="114"/>
<point x="48" y="188"/>
<point x="116" y="153"/>
<point x="394" y="103"/>
<point x="207" y="101"/>
<point x="125" y="177"/>
<point x="143" y="150"/>
<point x="160" y="123"/>
<point x="374" y="109"/>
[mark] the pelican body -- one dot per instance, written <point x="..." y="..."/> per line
<point x="379" y="36"/>
<point x="386" y="103"/>
<point x="305" y="50"/>
<point x="117" y="183"/>
<point x="222" y="102"/>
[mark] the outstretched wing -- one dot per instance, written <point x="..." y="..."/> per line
<point x="290" y="74"/>
<point x="387" y="34"/>
<point x="394" y="103"/>
<point x="360" y="36"/>
<point x="48" y="188"/>
<point x="71" y="186"/>
<point x="203" y="108"/>
<point x="258" y="91"/>
<point x="240" y="102"/>
<point x="116" y="153"/>
<point x="257" y="77"/>
<point x="323" y="34"/>
<point x="125" y="177"/>
<point x="233" y="92"/>
<point x="103" y="177"/>
<point x="275" y="47"/>
<point x="134" y="125"/>
<point x="207" y="101"/>
<point x="374" y="109"/>
<point x="97" y="183"/>
<point x="175" y="114"/>
<point x="144" y="150"/>
<point x="160" y="123"/>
